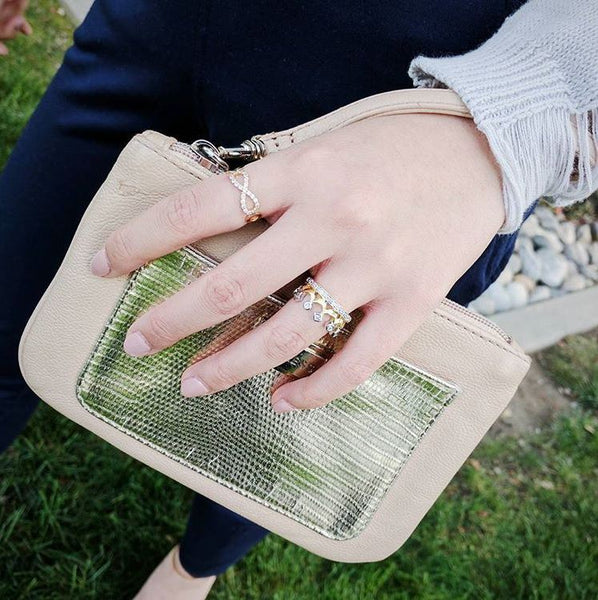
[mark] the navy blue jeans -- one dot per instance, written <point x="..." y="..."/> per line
<point x="224" y="71"/>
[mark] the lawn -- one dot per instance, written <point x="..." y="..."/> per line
<point x="79" y="520"/>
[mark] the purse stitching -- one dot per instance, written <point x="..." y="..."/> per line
<point x="362" y="115"/>
<point x="522" y="358"/>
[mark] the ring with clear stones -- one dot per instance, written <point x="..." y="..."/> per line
<point x="311" y="293"/>
<point x="252" y="213"/>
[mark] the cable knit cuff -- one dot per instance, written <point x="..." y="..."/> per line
<point x="531" y="97"/>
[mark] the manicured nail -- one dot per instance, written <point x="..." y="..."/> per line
<point x="282" y="406"/>
<point x="193" y="386"/>
<point x="100" y="265"/>
<point x="136" y="345"/>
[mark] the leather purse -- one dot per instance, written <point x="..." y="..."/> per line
<point x="349" y="481"/>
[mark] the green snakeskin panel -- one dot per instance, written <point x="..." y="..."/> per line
<point x="326" y="468"/>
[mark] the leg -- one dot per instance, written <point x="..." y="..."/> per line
<point x="213" y="526"/>
<point x="104" y="93"/>
<point x="215" y="539"/>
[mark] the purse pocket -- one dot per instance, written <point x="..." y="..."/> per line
<point x="327" y="468"/>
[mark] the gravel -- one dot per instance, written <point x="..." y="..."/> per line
<point x="552" y="257"/>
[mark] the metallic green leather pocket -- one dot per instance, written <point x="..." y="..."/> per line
<point x="327" y="468"/>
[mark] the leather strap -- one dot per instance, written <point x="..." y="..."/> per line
<point x="396" y="102"/>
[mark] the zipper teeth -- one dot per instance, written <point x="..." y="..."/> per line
<point x="480" y="319"/>
<point x="186" y="150"/>
<point x="202" y="161"/>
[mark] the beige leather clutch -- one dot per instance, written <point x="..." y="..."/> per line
<point x="349" y="481"/>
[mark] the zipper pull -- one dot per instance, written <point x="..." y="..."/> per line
<point x="214" y="158"/>
<point x="208" y="156"/>
<point x="249" y="150"/>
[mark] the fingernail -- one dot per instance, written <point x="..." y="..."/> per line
<point x="193" y="386"/>
<point x="100" y="265"/>
<point x="136" y="345"/>
<point x="282" y="406"/>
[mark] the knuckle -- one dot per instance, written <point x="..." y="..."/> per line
<point x="312" y="399"/>
<point x="282" y="341"/>
<point x="358" y="211"/>
<point x="160" y="328"/>
<point x="224" y="293"/>
<point x="220" y="375"/>
<point x="182" y="212"/>
<point x="322" y="165"/>
<point x="355" y="371"/>
<point x="119" y="247"/>
<point x="314" y="156"/>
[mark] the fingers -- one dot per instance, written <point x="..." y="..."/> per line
<point x="376" y="338"/>
<point x="260" y="268"/>
<point x="3" y="49"/>
<point x="25" y="28"/>
<point x="11" y="28"/>
<point x="196" y="212"/>
<point x="279" y="339"/>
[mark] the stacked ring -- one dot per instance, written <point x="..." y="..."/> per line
<point x="311" y="293"/>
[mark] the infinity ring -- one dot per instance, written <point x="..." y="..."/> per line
<point x="311" y="293"/>
<point x="252" y="212"/>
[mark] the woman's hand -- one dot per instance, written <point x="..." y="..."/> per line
<point x="12" y="21"/>
<point x="387" y="213"/>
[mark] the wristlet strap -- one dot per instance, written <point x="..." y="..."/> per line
<point x="396" y="102"/>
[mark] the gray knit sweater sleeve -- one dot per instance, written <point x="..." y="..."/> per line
<point x="532" y="89"/>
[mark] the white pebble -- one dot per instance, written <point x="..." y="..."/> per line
<point x="567" y="232"/>
<point x="554" y="267"/>
<point x="531" y="264"/>
<point x="577" y="252"/>
<point x="548" y="239"/>
<point x="502" y="300"/>
<point x="541" y="292"/>
<point x="484" y="305"/>
<point x="527" y="282"/>
<point x="574" y="283"/>
<point x="584" y="234"/>
<point x="514" y="264"/>
<point x="518" y="294"/>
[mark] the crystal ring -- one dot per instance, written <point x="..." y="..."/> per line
<point x="252" y="210"/>
<point x="311" y="293"/>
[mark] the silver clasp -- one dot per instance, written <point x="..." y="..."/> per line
<point x="251" y="149"/>
<point x="214" y="158"/>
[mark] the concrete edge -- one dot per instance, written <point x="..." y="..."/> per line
<point x="76" y="9"/>
<point x="537" y="326"/>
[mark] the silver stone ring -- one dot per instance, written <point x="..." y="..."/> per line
<point x="311" y="293"/>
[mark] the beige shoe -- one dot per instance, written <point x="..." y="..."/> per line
<point x="170" y="581"/>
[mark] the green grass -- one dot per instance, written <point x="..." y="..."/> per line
<point x="79" y="520"/>
<point x="574" y="366"/>
<point x="25" y="73"/>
